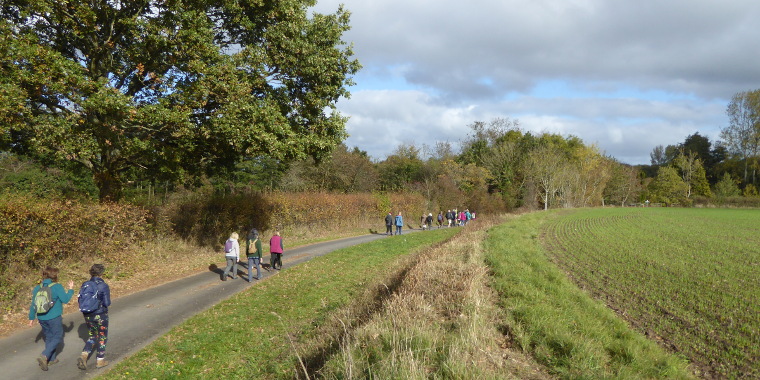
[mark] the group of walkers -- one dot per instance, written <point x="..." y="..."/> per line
<point x="47" y="307"/>
<point x="253" y="253"/>
<point x="48" y="298"/>
<point x="452" y="217"/>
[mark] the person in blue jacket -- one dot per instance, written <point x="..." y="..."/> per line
<point x="52" y="320"/>
<point x="399" y="223"/>
<point x="96" y="321"/>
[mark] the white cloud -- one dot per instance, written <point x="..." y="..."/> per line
<point x="627" y="75"/>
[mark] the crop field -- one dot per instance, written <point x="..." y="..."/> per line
<point x="686" y="278"/>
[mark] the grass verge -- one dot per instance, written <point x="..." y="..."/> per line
<point x="556" y="322"/>
<point x="252" y="334"/>
<point x="439" y="320"/>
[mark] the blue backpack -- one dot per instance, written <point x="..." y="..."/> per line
<point x="89" y="299"/>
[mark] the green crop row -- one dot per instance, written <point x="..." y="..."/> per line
<point x="688" y="278"/>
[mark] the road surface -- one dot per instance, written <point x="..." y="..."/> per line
<point x="138" y="319"/>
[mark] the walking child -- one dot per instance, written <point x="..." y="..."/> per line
<point x="94" y="300"/>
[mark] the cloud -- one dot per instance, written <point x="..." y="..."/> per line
<point x="628" y="129"/>
<point x="628" y="75"/>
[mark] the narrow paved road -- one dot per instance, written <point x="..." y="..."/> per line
<point x="139" y="318"/>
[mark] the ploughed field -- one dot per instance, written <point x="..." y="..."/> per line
<point x="687" y="278"/>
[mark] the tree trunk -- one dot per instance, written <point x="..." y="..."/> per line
<point x="109" y="187"/>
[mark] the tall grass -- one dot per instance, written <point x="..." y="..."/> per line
<point x="556" y="322"/>
<point x="440" y="322"/>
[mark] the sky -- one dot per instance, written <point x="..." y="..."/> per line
<point x="624" y="75"/>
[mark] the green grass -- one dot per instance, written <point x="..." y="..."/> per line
<point x="688" y="277"/>
<point x="249" y="336"/>
<point x="559" y="324"/>
<point x="440" y="323"/>
<point x="589" y="294"/>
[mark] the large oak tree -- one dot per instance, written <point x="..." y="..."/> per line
<point x="170" y="89"/>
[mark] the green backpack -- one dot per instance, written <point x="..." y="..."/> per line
<point x="43" y="299"/>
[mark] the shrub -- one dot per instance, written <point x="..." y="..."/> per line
<point x="207" y="219"/>
<point x="35" y="233"/>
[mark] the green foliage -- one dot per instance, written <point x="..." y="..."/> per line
<point x="750" y="191"/>
<point x="693" y="174"/>
<point x="668" y="187"/>
<point x="726" y="187"/>
<point x="170" y="90"/>
<point x="24" y="176"/>
<point x="400" y="169"/>
<point x="683" y="275"/>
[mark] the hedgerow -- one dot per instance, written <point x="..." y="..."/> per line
<point x="37" y="232"/>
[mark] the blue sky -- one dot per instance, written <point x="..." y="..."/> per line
<point x="623" y="75"/>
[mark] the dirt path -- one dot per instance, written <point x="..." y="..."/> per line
<point x="137" y="319"/>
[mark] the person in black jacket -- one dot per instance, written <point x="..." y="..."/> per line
<point x="389" y="224"/>
<point x="97" y="320"/>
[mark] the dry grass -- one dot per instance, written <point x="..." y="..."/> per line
<point x="435" y="319"/>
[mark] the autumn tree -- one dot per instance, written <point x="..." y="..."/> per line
<point x="624" y="184"/>
<point x="589" y="172"/>
<point x="345" y="171"/>
<point x="152" y="88"/>
<point x="464" y="185"/>
<point x="546" y="166"/>
<point x="501" y="147"/>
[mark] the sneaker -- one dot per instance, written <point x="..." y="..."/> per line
<point x="224" y="277"/>
<point x="82" y="361"/>
<point x="53" y="362"/>
<point x="101" y="363"/>
<point x="43" y="362"/>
